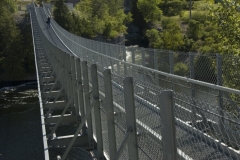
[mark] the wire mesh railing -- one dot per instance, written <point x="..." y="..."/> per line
<point x="207" y="115"/>
<point x="203" y="67"/>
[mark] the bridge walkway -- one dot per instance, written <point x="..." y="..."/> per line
<point x="48" y="32"/>
<point x="53" y="100"/>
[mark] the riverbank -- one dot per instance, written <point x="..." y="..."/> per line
<point x="15" y="83"/>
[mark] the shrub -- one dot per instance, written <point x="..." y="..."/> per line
<point x="181" y="69"/>
<point x="195" y="30"/>
<point x="181" y="13"/>
<point x="199" y="16"/>
<point x="173" y="8"/>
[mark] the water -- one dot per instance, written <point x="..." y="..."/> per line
<point x="20" y="127"/>
<point x="20" y="123"/>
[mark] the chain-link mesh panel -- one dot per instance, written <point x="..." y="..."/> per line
<point x="230" y="103"/>
<point x="149" y="62"/>
<point x="163" y="61"/>
<point x="229" y="118"/>
<point x="204" y="68"/>
<point x="198" y="128"/>
<point x="120" y="114"/>
<point x="129" y="55"/>
<point x="204" y="65"/>
<point x="148" y="120"/>
<point x="181" y="65"/>
<point x="230" y="76"/>
<point x="149" y="145"/>
<point x="138" y="56"/>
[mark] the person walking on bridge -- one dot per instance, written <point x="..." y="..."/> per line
<point x="48" y="22"/>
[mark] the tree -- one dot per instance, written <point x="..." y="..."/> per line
<point x="170" y="38"/>
<point x="173" y="7"/>
<point x="154" y="38"/>
<point x="226" y="18"/>
<point x="10" y="5"/>
<point x="195" y="30"/>
<point x="115" y="5"/>
<point x="150" y="10"/>
<point x="16" y="50"/>
<point x="62" y="15"/>
<point x="11" y="59"/>
<point x="100" y="18"/>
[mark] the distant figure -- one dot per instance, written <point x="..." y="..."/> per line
<point x="48" y="22"/>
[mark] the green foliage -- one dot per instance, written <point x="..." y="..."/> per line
<point x="181" y="69"/>
<point x="9" y="5"/>
<point x="62" y="15"/>
<point x="221" y="35"/>
<point x="114" y="6"/>
<point x="187" y="44"/>
<point x="153" y="37"/>
<point x="16" y="53"/>
<point x="113" y="27"/>
<point x="150" y="10"/>
<point x="80" y="26"/>
<point x="101" y="17"/>
<point x="205" y="36"/>
<point x="173" y="8"/>
<point x="195" y="30"/>
<point x="227" y="18"/>
<point x="170" y="38"/>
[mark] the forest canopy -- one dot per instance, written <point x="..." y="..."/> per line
<point x="16" y="50"/>
<point x="93" y="17"/>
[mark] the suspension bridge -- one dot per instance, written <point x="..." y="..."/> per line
<point x="106" y="101"/>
